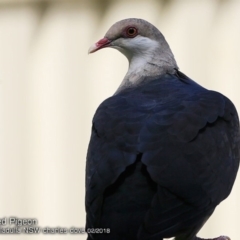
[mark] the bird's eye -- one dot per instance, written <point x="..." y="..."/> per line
<point x="131" y="32"/>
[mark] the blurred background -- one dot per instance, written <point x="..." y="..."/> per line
<point x="50" y="89"/>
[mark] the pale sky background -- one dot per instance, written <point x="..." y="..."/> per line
<point x="50" y="89"/>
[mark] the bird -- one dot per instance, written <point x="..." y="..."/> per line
<point x="163" y="152"/>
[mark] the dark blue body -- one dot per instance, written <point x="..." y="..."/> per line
<point x="161" y="157"/>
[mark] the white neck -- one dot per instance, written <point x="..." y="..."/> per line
<point x="146" y="58"/>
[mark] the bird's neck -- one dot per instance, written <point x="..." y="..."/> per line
<point x="144" y="66"/>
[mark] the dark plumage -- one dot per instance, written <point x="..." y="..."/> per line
<point x="164" y="152"/>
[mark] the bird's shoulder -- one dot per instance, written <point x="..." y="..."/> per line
<point x="170" y="100"/>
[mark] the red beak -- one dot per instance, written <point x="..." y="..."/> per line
<point x="104" y="42"/>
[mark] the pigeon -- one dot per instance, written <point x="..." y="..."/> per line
<point x="164" y="151"/>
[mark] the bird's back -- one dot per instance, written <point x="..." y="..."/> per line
<point x="162" y="155"/>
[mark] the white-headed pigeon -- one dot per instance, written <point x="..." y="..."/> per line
<point x="164" y="151"/>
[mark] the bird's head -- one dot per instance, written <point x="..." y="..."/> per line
<point x="130" y="36"/>
<point x="142" y="43"/>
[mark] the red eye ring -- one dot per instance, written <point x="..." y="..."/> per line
<point x="131" y="32"/>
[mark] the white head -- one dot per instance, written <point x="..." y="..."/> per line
<point x="143" y="44"/>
